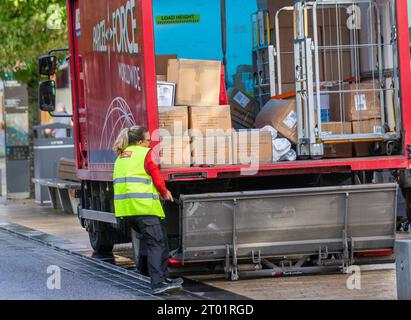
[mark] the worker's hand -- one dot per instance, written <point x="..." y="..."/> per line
<point x="169" y="196"/>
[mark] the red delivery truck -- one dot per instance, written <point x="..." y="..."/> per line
<point x="319" y="212"/>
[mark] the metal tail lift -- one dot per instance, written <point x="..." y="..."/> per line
<point x="275" y="232"/>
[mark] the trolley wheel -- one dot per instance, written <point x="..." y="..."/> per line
<point x="99" y="242"/>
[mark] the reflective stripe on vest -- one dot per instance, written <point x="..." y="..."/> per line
<point x="134" y="190"/>
<point x="137" y="196"/>
<point x="132" y="180"/>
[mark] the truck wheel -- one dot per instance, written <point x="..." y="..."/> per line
<point x="99" y="242"/>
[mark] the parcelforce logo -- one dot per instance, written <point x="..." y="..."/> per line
<point x="126" y="154"/>
<point x="115" y="34"/>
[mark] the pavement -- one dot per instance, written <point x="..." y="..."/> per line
<point x="36" y="272"/>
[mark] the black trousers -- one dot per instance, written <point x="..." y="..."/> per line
<point x="154" y="250"/>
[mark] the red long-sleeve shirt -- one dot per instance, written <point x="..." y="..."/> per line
<point x="154" y="171"/>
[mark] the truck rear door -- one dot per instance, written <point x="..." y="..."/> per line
<point x="112" y="45"/>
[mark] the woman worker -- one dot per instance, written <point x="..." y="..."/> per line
<point x="137" y="185"/>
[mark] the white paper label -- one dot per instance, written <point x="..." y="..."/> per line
<point x="165" y="95"/>
<point x="360" y="102"/>
<point x="241" y="99"/>
<point x="291" y="120"/>
<point x="327" y="133"/>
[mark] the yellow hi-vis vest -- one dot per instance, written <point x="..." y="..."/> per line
<point x="134" y="191"/>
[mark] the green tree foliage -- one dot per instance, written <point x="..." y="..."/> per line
<point x="28" y="29"/>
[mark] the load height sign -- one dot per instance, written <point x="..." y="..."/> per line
<point x="178" y="18"/>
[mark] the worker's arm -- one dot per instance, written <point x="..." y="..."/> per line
<point x="154" y="171"/>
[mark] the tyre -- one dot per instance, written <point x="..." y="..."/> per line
<point x="100" y="243"/>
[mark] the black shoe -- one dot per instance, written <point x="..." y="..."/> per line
<point x="165" y="287"/>
<point x="178" y="281"/>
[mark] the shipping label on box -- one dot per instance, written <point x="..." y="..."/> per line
<point x="173" y="120"/>
<point x="165" y="94"/>
<point x="241" y="99"/>
<point x="212" y="150"/>
<point x="360" y="102"/>
<point x="291" y="120"/>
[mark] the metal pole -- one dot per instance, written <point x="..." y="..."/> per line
<point x="224" y="37"/>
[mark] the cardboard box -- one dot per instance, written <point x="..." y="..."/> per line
<point x="243" y="101"/>
<point x="210" y="120"/>
<point x="243" y="108"/>
<point x="332" y="128"/>
<point x="282" y="116"/>
<point x="173" y="120"/>
<point x="356" y="105"/>
<point x="212" y="150"/>
<point x="174" y="152"/>
<point x="198" y="81"/>
<point x="161" y="77"/>
<point x="367" y="126"/>
<point x="165" y="94"/>
<point x="242" y="119"/>
<point x="252" y="147"/>
<point x="369" y="149"/>
<point x="162" y="63"/>
<point x="337" y="150"/>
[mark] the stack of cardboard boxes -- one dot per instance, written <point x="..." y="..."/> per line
<point x="196" y="130"/>
<point x="355" y="111"/>
<point x="358" y="111"/>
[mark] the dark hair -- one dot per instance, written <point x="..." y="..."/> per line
<point x="128" y="137"/>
